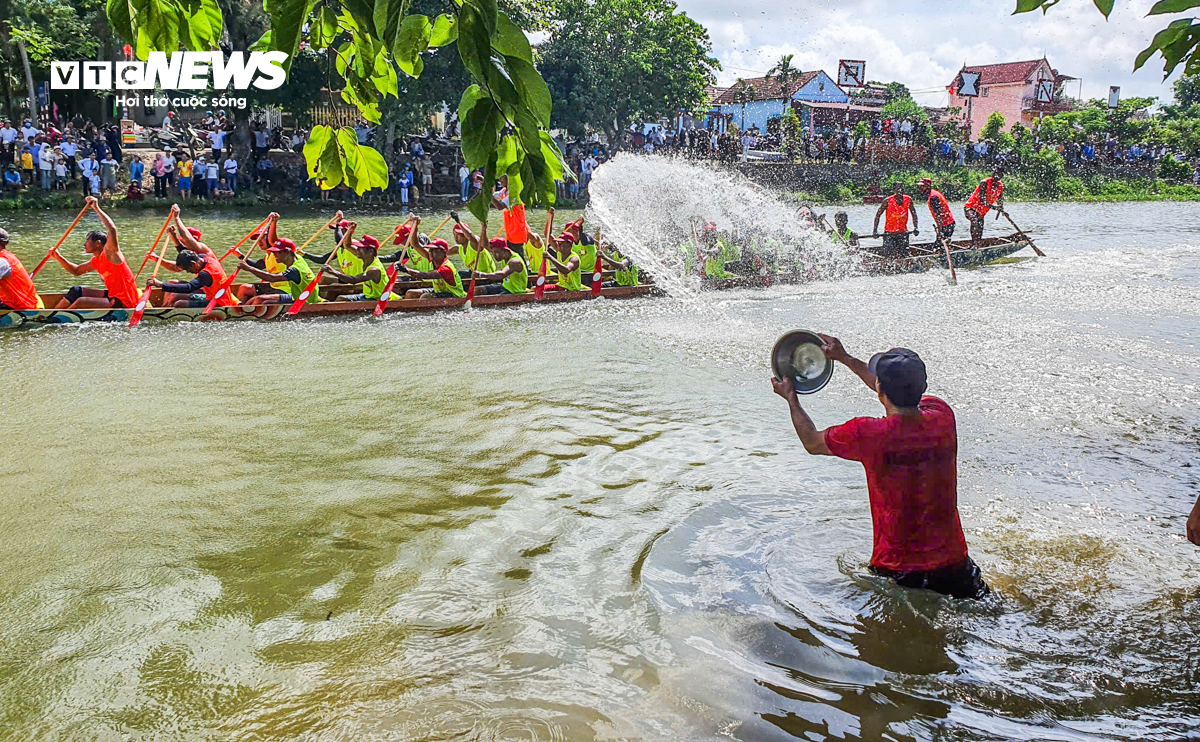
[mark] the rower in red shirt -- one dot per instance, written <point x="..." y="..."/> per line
<point x="898" y="207"/>
<point x="16" y="287"/>
<point x="988" y="195"/>
<point x="911" y="462"/>
<point x="939" y="207"/>
<point x="120" y="289"/>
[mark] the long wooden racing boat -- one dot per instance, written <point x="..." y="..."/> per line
<point x="923" y="257"/>
<point x="26" y="318"/>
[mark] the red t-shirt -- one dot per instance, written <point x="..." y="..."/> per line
<point x="447" y="271"/>
<point x="912" y="479"/>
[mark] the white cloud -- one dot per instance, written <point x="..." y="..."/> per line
<point x="923" y="44"/>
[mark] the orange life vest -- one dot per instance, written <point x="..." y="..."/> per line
<point x="16" y="290"/>
<point x="118" y="279"/>
<point x="897" y="215"/>
<point x="940" y="208"/>
<point x="516" y="230"/>
<point x="995" y="189"/>
<point x="212" y="267"/>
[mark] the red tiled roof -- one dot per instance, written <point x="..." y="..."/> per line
<point x="765" y="88"/>
<point x="1009" y="72"/>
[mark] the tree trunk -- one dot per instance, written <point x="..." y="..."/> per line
<point x="33" y="117"/>
<point x="389" y="142"/>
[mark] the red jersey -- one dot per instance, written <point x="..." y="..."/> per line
<point x="912" y="479"/>
<point x="983" y="202"/>
<point x="118" y="279"/>
<point x="213" y="268"/>
<point x="16" y="289"/>
<point x="940" y="208"/>
<point x="897" y="215"/>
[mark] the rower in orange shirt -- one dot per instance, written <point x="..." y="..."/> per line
<point x="16" y="287"/>
<point x="120" y="288"/>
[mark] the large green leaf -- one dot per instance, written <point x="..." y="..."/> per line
<point x="506" y="154"/>
<point x="120" y="19"/>
<point x="411" y="41"/>
<point x="510" y="40"/>
<point x="156" y="26"/>
<point x="387" y="17"/>
<point x="1104" y="6"/>
<point x="445" y="30"/>
<point x="531" y="88"/>
<point x="322" y="158"/>
<point x="287" y="20"/>
<point x="480" y="133"/>
<point x="1172" y="6"/>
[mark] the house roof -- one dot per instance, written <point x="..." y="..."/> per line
<point x="765" y="88"/>
<point x="1008" y="72"/>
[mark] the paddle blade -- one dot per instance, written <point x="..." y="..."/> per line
<point x="307" y="292"/>
<point x="470" y="292"/>
<point x="539" y="288"/>
<point x="140" y="309"/>
<point x="225" y="287"/>
<point x="387" y="291"/>
<point x="597" y="276"/>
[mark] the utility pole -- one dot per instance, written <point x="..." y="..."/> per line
<point x="33" y="111"/>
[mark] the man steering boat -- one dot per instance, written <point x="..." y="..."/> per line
<point x="898" y="207"/>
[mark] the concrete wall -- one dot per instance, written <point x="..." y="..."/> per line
<point x="1005" y="99"/>
<point x="757" y="113"/>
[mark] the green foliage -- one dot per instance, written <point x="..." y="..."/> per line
<point x="52" y="30"/>
<point x="790" y="133"/>
<point x="610" y="63"/>
<point x="334" y="156"/>
<point x="1019" y="131"/>
<point x="166" y="25"/>
<point x="1174" y="170"/>
<point x="904" y="108"/>
<point x="862" y="130"/>
<point x="302" y="91"/>
<point x="1045" y="169"/>
<point x="1176" y="43"/>
<point x="896" y="91"/>
<point x="1187" y="91"/>
<point x="993" y="127"/>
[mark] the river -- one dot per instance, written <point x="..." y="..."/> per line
<point x="594" y="521"/>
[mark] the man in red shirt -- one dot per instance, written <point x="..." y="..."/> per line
<point x="910" y="457"/>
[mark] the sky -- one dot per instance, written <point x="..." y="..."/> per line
<point x="924" y="43"/>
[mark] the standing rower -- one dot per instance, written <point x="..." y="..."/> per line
<point x="988" y="195"/>
<point x="939" y="207"/>
<point x="120" y="289"/>
<point x="16" y="287"/>
<point x="898" y="207"/>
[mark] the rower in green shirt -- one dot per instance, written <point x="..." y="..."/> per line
<point x="512" y="272"/>
<point x="372" y="275"/>
<point x="296" y="275"/>
<point x="566" y="261"/>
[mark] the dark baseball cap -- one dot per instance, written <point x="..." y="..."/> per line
<point x="901" y="375"/>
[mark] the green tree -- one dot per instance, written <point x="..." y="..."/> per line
<point x="904" y="108"/>
<point x="993" y="127"/>
<point x="896" y="91"/>
<point x="611" y="63"/>
<point x="789" y="133"/>
<point x="784" y="72"/>
<point x="1187" y="91"/>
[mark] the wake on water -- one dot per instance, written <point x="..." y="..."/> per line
<point x="651" y="205"/>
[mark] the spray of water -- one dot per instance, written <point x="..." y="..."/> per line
<point x="650" y="206"/>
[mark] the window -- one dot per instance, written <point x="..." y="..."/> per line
<point x="985" y="92"/>
<point x="821" y="86"/>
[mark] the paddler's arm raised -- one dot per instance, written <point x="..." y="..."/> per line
<point x="813" y="439"/>
<point x="112" y="250"/>
<point x="568" y="267"/>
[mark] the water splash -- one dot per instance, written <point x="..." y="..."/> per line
<point x="650" y="206"/>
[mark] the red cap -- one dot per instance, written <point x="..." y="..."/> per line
<point x="710" y="227"/>
<point x="926" y="182"/>
<point x="195" y="233"/>
<point x="460" y="228"/>
<point x="402" y="234"/>
<point x="281" y="244"/>
<point x="439" y="242"/>
<point x="568" y="237"/>
<point x="367" y="241"/>
<point x="344" y="224"/>
<point x="498" y="242"/>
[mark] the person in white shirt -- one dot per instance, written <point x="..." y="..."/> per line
<point x="464" y="182"/>
<point x="231" y="170"/>
<point x="212" y="173"/>
<point x="46" y="165"/>
<point x="586" y="167"/>
<point x="29" y="130"/>
<point x="8" y="135"/>
<point x="69" y="149"/>
<point x="167" y="120"/>
<point x="60" y="170"/>
<point x="217" y="137"/>
<point x="262" y="139"/>
<point x="169" y="170"/>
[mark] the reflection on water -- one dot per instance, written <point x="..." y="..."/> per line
<point x="594" y="521"/>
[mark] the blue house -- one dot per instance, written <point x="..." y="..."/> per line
<point x="752" y="103"/>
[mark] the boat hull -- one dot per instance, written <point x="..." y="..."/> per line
<point x="10" y="319"/>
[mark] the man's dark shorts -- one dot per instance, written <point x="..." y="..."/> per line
<point x="962" y="580"/>
<point x="895" y="246"/>
<point x="266" y="289"/>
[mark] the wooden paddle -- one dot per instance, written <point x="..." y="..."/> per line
<point x="140" y="309"/>
<point x="475" y="264"/>
<point x="336" y="217"/>
<point x="392" y="273"/>
<point x="1024" y="236"/>
<point x="225" y="287"/>
<point x="312" y="285"/>
<point x="64" y="239"/>
<point x="242" y="241"/>
<point x="155" y="245"/>
<point x="949" y="258"/>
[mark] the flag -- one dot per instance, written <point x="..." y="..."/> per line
<point x="387" y="291"/>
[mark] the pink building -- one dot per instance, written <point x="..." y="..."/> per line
<point x="1019" y="91"/>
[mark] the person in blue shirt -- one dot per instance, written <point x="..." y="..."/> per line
<point x="136" y="169"/>
<point x="12" y="179"/>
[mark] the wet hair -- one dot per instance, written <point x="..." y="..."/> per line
<point x="95" y="234"/>
<point x="186" y="259"/>
<point x="841" y="215"/>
